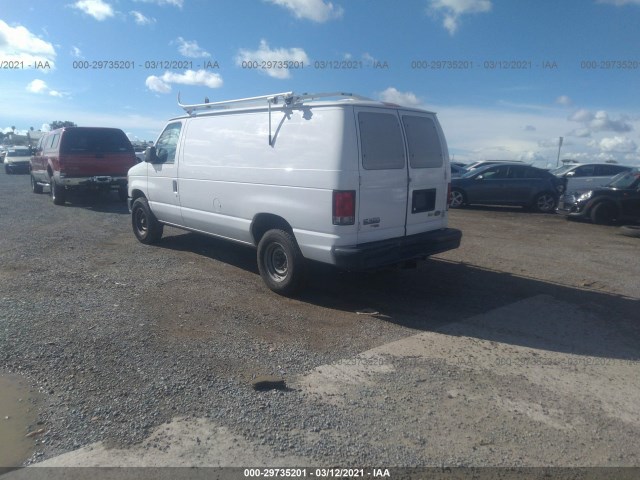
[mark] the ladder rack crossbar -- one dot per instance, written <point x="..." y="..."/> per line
<point x="289" y="98"/>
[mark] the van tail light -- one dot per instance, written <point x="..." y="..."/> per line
<point x="448" y="195"/>
<point x="344" y="207"/>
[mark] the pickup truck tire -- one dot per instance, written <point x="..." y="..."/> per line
<point x="35" y="187"/>
<point x="280" y="262"/>
<point x="603" y="213"/>
<point x="58" y="195"/>
<point x="145" y="225"/>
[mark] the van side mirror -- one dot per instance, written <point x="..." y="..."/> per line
<point x="150" y="155"/>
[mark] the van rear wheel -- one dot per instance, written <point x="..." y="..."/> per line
<point x="145" y="225"/>
<point x="280" y="262"/>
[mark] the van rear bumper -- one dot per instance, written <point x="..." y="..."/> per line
<point x="396" y="250"/>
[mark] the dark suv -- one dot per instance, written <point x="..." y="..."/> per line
<point x="507" y="184"/>
<point x="618" y="201"/>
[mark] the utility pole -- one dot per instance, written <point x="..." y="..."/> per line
<point x="559" y="147"/>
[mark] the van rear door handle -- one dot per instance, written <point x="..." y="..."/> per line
<point x="175" y="186"/>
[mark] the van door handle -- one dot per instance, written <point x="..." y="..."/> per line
<point x="175" y="186"/>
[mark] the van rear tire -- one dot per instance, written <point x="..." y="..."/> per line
<point x="280" y="262"/>
<point x="145" y="225"/>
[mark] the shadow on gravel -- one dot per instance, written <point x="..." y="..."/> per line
<point x="102" y="202"/>
<point x="220" y="250"/>
<point x="445" y="297"/>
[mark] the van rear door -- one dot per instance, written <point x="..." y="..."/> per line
<point x="403" y="178"/>
<point x="382" y="200"/>
<point x="428" y="172"/>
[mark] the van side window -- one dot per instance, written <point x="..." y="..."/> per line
<point x="380" y="141"/>
<point x="168" y="143"/>
<point x="425" y="150"/>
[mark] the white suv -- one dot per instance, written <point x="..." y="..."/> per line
<point x="587" y="176"/>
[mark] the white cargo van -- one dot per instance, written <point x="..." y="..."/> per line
<point x="333" y="178"/>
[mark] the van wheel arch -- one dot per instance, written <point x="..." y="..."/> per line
<point x="263" y="222"/>
<point x="135" y="194"/>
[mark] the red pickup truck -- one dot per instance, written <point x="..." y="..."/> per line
<point x="82" y="158"/>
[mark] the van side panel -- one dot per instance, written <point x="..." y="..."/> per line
<point x="228" y="173"/>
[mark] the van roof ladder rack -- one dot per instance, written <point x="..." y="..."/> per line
<point x="288" y="98"/>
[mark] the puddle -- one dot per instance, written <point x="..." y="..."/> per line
<point x="18" y="417"/>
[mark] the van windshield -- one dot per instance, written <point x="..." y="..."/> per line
<point x="89" y="140"/>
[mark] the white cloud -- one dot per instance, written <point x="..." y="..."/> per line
<point x="600" y="122"/>
<point x="392" y="95"/>
<point x="18" y="44"/>
<point x="580" y="132"/>
<point x="620" y="3"/>
<point x="615" y="145"/>
<point x="97" y="9"/>
<point x="314" y="10"/>
<point x="174" y="3"/>
<point x="40" y="87"/>
<point x="564" y="101"/>
<point x="452" y="10"/>
<point x="163" y="83"/>
<point x="582" y="115"/>
<point x="76" y="52"/>
<point x="37" y="86"/>
<point x="191" y="49"/>
<point x="265" y="53"/>
<point x="141" y="19"/>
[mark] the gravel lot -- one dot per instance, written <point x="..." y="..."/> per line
<point x="121" y="338"/>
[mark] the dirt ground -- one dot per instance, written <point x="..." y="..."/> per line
<point x="520" y="348"/>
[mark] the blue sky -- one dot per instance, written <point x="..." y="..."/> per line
<point x="526" y="73"/>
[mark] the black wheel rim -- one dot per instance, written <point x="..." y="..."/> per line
<point x="545" y="203"/>
<point x="276" y="262"/>
<point x="140" y="222"/>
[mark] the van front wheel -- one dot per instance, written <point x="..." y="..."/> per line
<point x="280" y="262"/>
<point x="146" y="227"/>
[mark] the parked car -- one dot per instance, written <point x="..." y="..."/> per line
<point x="457" y="171"/>
<point x="17" y="160"/>
<point x="296" y="177"/>
<point x="618" y="201"/>
<point x="507" y="184"/>
<point x="484" y="163"/>
<point x="587" y="176"/>
<point x="82" y="158"/>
